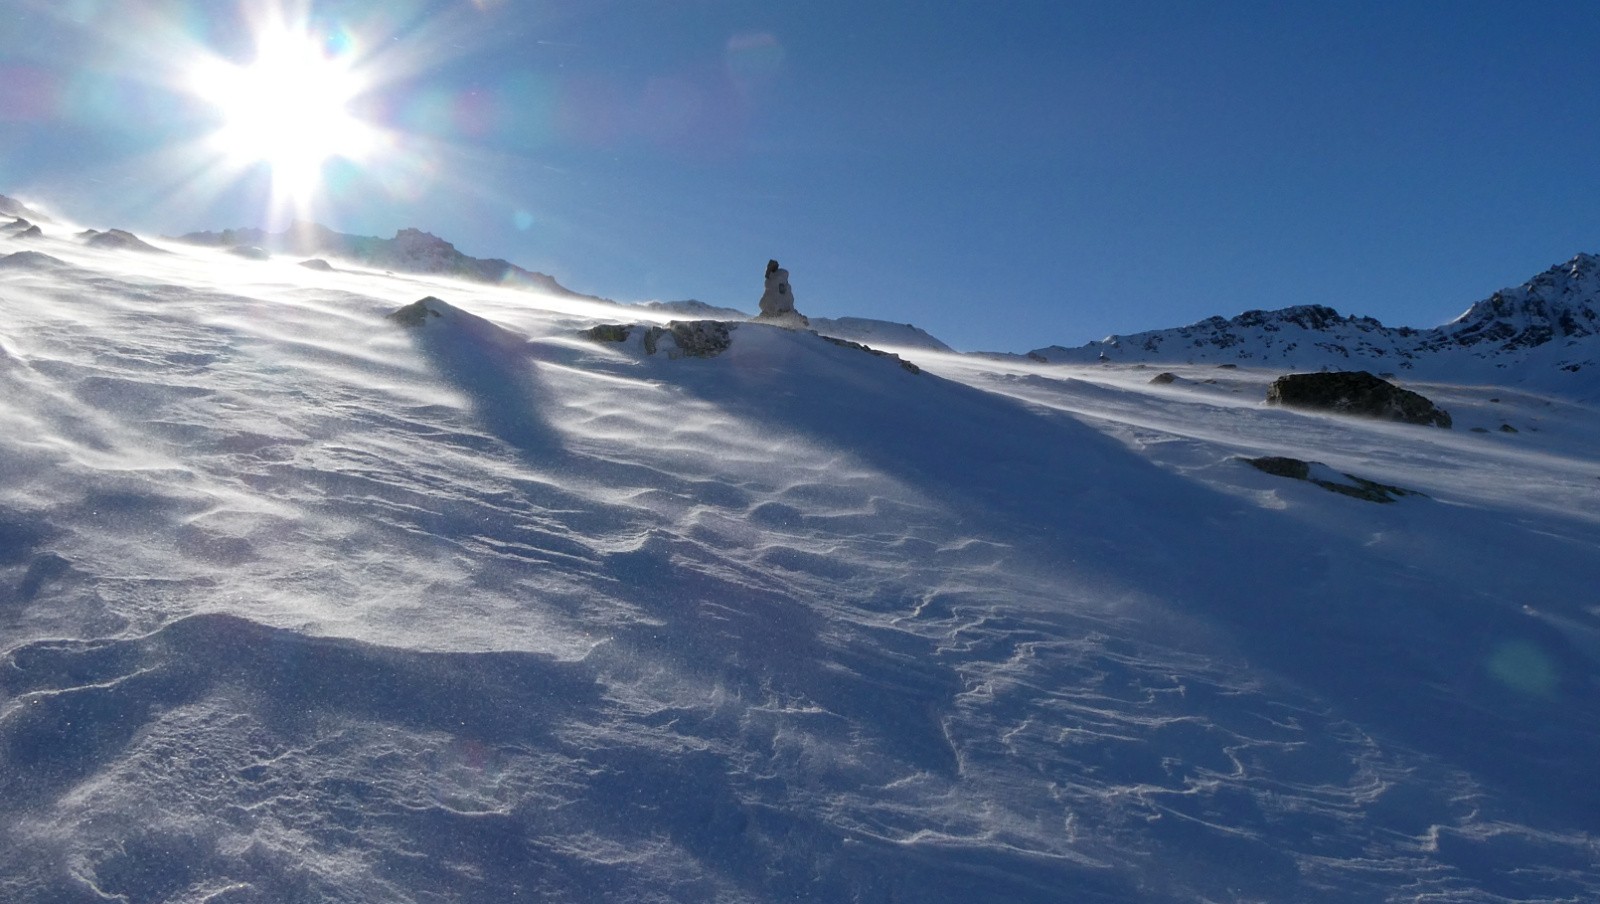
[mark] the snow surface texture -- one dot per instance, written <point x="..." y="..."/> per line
<point x="301" y="603"/>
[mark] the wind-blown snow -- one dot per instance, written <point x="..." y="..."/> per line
<point x="303" y="603"/>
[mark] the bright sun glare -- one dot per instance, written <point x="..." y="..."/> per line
<point x="288" y="108"/>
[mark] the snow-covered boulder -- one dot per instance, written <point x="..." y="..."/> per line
<point x="777" y="301"/>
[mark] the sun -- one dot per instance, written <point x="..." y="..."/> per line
<point x="288" y="108"/>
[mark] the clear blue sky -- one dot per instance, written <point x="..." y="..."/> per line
<point x="1005" y="174"/>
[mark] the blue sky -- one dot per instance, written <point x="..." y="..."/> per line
<point x="1006" y="175"/>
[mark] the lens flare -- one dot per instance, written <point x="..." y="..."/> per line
<point x="288" y="108"/>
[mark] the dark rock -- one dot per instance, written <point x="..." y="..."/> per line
<point x="1279" y="466"/>
<point x="1356" y="488"/>
<point x="249" y="252"/>
<point x="17" y="225"/>
<point x="317" y="263"/>
<point x="1507" y="428"/>
<point x="1163" y="378"/>
<point x="1357" y="393"/>
<point x="846" y="343"/>
<point x="608" y="332"/>
<point x="416" y="313"/>
<point x="32" y="232"/>
<point x="694" y="338"/>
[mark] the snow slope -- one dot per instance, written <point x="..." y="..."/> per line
<point x="878" y="333"/>
<point x="300" y="603"/>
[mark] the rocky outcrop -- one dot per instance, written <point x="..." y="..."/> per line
<point x="416" y="313"/>
<point x="905" y="365"/>
<point x="317" y="263"/>
<point x="690" y="338"/>
<point x="1333" y="481"/>
<point x="608" y="332"/>
<point x="1355" y="393"/>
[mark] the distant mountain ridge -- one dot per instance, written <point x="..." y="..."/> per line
<point x="1548" y="325"/>
<point x="411" y="251"/>
<point x="11" y="207"/>
<point x="414" y="251"/>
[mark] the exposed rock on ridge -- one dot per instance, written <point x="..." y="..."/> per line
<point x="1316" y="472"/>
<point x="1357" y="393"/>
<point x="690" y="338"/>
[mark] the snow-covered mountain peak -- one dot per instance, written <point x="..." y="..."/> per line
<point x="1562" y="302"/>
<point x="1539" y="333"/>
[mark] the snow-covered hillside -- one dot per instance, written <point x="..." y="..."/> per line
<point x="878" y="333"/>
<point x="1536" y="334"/>
<point x="302" y="602"/>
<point x="410" y="251"/>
